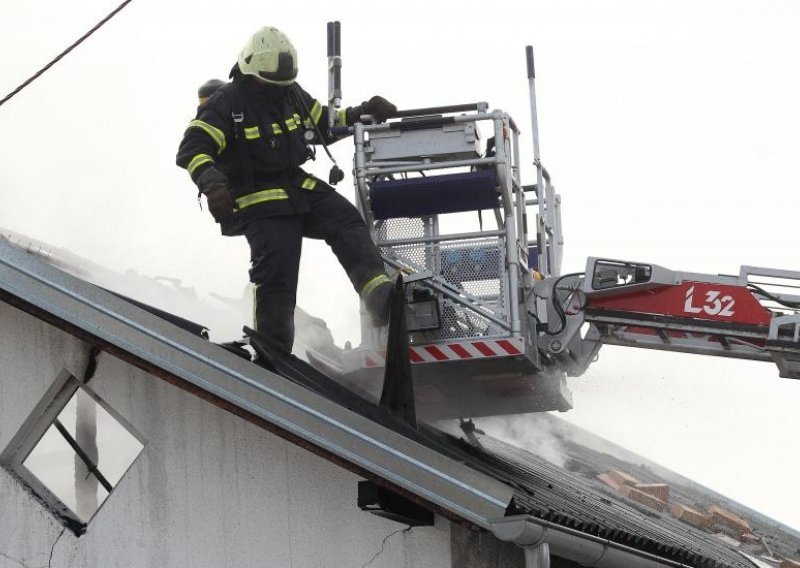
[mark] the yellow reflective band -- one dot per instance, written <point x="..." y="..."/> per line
<point x="198" y="161"/>
<point x="255" y="304"/>
<point x="294" y="121"/>
<point x="252" y="133"/>
<point x="290" y="125"/>
<point x="313" y="117"/>
<point x="309" y="183"/>
<point x="316" y="112"/>
<point x="374" y="283"/>
<point x="341" y="117"/>
<point x="261" y="197"/>
<point x="216" y="134"/>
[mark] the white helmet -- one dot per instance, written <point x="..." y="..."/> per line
<point x="270" y="56"/>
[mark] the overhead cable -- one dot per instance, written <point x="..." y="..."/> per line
<point x="66" y="51"/>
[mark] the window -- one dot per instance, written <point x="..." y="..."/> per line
<point x="72" y="452"/>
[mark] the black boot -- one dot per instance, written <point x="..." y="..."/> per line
<point x="377" y="304"/>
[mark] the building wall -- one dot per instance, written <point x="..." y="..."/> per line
<point x="208" y="490"/>
<point x="479" y="549"/>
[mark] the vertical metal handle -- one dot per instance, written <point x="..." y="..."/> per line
<point x="337" y="38"/>
<point x="531" y="69"/>
<point x="337" y="68"/>
<point x="334" y="71"/>
<point x="545" y="208"/>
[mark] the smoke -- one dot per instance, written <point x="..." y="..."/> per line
<point x="536" y="433"/>
<point x="312" y="334"/>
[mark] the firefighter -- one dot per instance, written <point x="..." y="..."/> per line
<point x="244" y="151"/>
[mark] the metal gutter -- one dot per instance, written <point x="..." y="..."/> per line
<point x="585" y="549"/>
<point x="152" y="343"/>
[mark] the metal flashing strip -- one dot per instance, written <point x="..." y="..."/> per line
<point x="403" y="462"/>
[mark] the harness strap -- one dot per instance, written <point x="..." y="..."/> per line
<point x="237" y="114"/>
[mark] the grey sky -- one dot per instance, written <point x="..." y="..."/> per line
<point x="672" y="130"/>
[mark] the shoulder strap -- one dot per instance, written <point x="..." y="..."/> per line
<point x="237" y="115"/>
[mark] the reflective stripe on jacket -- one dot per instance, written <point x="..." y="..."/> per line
<point x="274" y="194"/>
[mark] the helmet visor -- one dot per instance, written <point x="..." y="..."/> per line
<point x="286" y="71"/>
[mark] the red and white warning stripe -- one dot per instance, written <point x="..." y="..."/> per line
<point x="457" y="351"/>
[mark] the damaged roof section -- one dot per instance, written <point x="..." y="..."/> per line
<point x="630" y="501"/>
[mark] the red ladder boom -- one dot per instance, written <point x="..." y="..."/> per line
<point x="750" y="316"/>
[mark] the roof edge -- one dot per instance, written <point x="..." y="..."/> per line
<point x="585" y="549"/>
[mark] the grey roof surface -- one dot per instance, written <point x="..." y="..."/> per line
<point x="424" y="462"/>
<point x="554" y="494"/>
<point x="572" y="496"/>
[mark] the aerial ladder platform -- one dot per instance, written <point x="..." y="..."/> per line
<point x="493" y="325"/>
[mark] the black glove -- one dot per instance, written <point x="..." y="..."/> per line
<point x="214" y="185"/>
<point x="378" y="107"/>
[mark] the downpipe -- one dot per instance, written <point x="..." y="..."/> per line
<point x="541" y="538"/>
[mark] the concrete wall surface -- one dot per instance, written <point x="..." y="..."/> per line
<point x="479" y="549"/>
<point x="208" y="490"/>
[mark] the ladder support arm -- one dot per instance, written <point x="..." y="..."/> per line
<point x="644" y="305"/>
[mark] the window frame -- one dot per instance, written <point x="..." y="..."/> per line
<point x="33" y="429"/>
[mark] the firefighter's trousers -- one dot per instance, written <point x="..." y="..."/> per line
<point x="275" y="246"/>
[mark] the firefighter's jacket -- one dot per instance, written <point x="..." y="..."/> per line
<point x="259" y="147"/>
